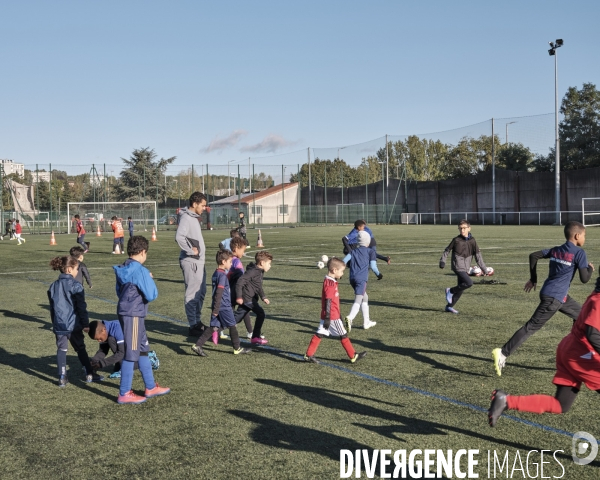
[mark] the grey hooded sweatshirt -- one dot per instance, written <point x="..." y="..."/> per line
<point x="189" y="235"/>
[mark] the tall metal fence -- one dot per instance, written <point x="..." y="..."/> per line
<point x="380" y="180"/>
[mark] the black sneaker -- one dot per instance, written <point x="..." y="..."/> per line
<point x="358" y="356"/>
<point x="498" y="405"/>
<point x="196" y="330"/>
<point x="93" y="377"/>
<point x="198" y="351"/>
<point x="310" y="359"/>
<point x="380" y="276"/>
<point x="62" y="381"/>
<point x="242" y="351"/>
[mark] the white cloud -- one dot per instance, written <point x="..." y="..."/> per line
<point x="218" y="144"/>
<point x="270" y="144"/>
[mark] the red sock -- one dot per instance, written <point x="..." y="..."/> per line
<point x="313" y="345"/>
<point x="347" y="344"/>
<point x="534" y="403"/>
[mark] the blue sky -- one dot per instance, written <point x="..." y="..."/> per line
<point x="208" y="82"/>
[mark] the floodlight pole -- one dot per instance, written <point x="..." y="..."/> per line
<point x="557" y="159"/>
<point x="493" y="177"/>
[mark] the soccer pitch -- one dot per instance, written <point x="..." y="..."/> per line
<point x="425" y="383"/>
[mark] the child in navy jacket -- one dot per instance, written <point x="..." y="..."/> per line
<point x="68" y="311"/>
<point x="135" y="289"/>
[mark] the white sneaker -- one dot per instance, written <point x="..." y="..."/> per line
<point x="249" y="335"/>
<point x="369" y="324"/>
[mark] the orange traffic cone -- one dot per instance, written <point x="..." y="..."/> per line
<point x="153" y="235"/>
<point x="52" y="239"/>
<point x="117" y="250"/>
<point x="259" y="244"/>
<point x="98" y="234"/>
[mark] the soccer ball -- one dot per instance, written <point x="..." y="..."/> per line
<point x="324" y="258"/>
<point x="490" y="271"/>
<point x="475" y="271"/>
<point x="320" y="265"/>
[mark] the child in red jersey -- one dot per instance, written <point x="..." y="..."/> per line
<point x="331" y="323"/>
<point x="18" y="231"/>
<point x="80" y="233"/>
<point x="577" y="362"/>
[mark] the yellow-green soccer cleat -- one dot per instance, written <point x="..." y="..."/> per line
<point x="348" y="323"/>
<point x="358" y="356"/>
<point x="499" y="360"/>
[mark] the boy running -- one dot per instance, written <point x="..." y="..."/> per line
<point x="249" y="289"/>
<point x="565" y="260"/>
<point x="222" y="312"/>
<point x="350" y="241"/>
<point x="577" y="362"/>
<point x="463" y="248"/>
<point x="331" y="323"/>
<point x="18" y="231"/>
<point x="361" y="259"/>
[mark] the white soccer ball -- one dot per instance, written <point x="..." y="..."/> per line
<point x="320" y="265"/>
<point x="475" y="271"/>
<point x="490" y="271"/>
<point x="324" y="258"/>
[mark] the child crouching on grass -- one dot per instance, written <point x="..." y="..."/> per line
<point x="222" y="312"/>
<point x="68" y="311"/>
<point x="331" y="323"/>
<point x="135" y="289"/>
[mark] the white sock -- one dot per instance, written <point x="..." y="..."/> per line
<point x="365" y="311"/>
<point x="354" y="311"/>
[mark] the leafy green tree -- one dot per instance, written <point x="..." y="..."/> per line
<point x="142" y="178"/>
<point x="579" y="131"/>
<point x="516" y="157"/>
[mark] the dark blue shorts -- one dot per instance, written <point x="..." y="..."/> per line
<point x="225" y="319"/>
<point x="136" y="341"/>
<point x="359" y="286"/>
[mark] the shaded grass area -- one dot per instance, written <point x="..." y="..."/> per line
<point x="268" y="414"/>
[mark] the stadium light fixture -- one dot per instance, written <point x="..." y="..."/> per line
<point x="509" y="123"/>
<point x="553" y="47"/>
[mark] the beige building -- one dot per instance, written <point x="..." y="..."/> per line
<point x="12" y="167"/>
<point x="276" y="205"/>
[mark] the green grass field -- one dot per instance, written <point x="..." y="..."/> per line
<point x="269" y="414"/>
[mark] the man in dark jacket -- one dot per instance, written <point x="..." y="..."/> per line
<point x="249" y="289"/>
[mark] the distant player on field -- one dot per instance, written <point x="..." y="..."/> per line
<point x="80" y="233"/>
<point x="331" y="323"/>
<point x="577" y="362"/>
<point x="565" y="260"/>
<point x="360" y="260"/>
<point x="463" y="248"/>
<point x="117" y="228"/>
<point x="350" y="241"/>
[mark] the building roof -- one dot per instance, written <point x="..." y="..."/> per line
<point x="247" y="198"/>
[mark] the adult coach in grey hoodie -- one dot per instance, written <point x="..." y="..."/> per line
<point x="192" y="260"/>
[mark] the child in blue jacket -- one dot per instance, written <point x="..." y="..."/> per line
<point x="68" y="311"/>
<point x="135" y="289"/>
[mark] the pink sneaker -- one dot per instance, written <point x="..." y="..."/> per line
<point x="215" y="338"/>
<point x="131" y="397"/>
<point x="156" y="391"/>
<point x="259" y="341"/>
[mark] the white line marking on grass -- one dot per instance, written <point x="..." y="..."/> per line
<point x="372" y="378"/>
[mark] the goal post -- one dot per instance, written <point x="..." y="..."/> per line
<point x="94" y="214"/>
<point x="349" y="212"/>
<point x="590" y="211"/>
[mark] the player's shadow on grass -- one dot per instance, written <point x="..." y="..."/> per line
<point x="293" y="280"/>
<point x="156" y="279"/>
<point x="44" y="368"/>
<point x="422" y="355"/>
<point x="400" y="424"/>
<point x="46" y="324"/>
<point x="276" y="434"/>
